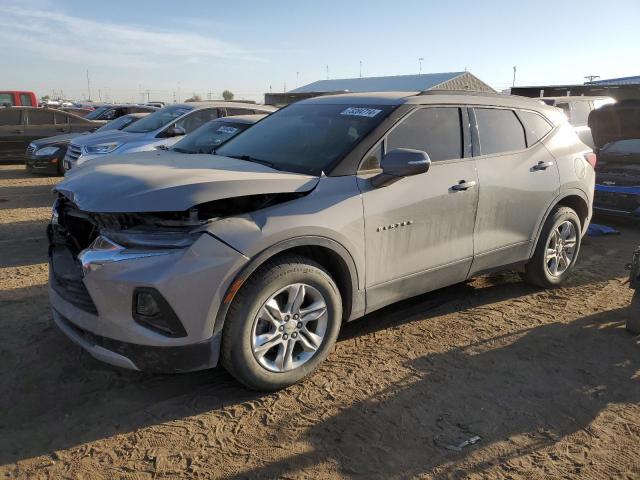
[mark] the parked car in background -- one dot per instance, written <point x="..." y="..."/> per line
<point x="211" y="135"/>
<point x="16" y="98"/>
<point x="616" y="134"/>
<point x="577" y="110"/>
<point x="111" y="112"/>
<point x="326" y="210"/>
<point x="156" y="104"/>
<point x="46" y="155"/>
<point x="19" y="126"/>
<point x="162" y="128"/>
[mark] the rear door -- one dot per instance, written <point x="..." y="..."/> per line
<point x="519" y="179"/>
<point x="12" y="144"/>
<point x="419" y="230"/>
<point x="62" y="122"/>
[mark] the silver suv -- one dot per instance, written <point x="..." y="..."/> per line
<point x="162" y="128"/>
<point x="320" y="213"/>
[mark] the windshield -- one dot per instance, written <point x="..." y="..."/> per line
<point x="96" y="113"/>
<point x="117" y="124"/>
<point x="209" y="136"/>
<point x="306" y="138"/>
<point x="157" y="119"/>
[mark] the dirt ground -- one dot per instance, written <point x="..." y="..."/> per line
<point x="549" y="381"/>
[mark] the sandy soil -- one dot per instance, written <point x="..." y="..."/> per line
<point x="549" y="381"/>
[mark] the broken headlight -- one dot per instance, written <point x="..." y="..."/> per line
<point x="153" y="240"/>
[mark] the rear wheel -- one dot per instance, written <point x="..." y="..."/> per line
<point x="557" y="249"/>
<point x="282" y="323"/>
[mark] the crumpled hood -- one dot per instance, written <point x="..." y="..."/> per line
<point x="56" y="140"/>
<point x="167" y="181"/>
<point x="617" y="121"/>
<point x="107" y="136"/>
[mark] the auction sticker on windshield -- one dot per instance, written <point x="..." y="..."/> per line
<point x="225" y="129"/>
<point x="361" y="112"/>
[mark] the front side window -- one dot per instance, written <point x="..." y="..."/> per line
<point x="197" y="118"/>
<point x="209" y="136"/>
<point x="117" y="124"/>
<point x="158" y="119"/>
<point x="499" y="130"/>
<point x="435" y="130"/>
<point x="306" y="138"/>
<point x="40" y="117"/>
<point x="9" y="116"/>
<point x="95" y="114"/>
<point x="535" y="126"/>
<point x="25" y="100"/>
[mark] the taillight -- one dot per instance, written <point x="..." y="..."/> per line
<point x="591" y="158"/>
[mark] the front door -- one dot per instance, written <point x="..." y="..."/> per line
<point x="40" y="124"/>
<point x="519" y="179"/>
<point x="419" y="230"/>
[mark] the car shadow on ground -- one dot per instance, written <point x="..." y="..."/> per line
<point x="51" y="380"/>
<point x="514" y="385"/>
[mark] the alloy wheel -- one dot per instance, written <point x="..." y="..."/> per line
<point x="289" y="328"/>
<point x="561" y="248"/>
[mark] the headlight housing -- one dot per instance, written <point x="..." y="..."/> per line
<point x="153" y="240"/>
<point x="47" y="151"/>
<point x="101" y="148"/>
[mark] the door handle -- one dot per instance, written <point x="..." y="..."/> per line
<point x="542" y="166"/>
<point x="60" y="129"/>
<point x="17" y="131"/>
<point x="463" y="185"/>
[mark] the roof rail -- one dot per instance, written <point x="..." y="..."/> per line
<point x="444" y="91"/>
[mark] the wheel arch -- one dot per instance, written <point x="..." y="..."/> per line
<point x="574" y="199"/>
<point x="334" y="257"/>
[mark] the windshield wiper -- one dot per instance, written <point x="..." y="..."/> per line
<point x="249" y="158"/>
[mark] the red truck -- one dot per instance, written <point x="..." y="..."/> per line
<point x="14" y="98"/>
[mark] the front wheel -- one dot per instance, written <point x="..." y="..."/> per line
<point x="633" y="314"/>
<point x="282" y="323"/>
<point x="557" y="249"/>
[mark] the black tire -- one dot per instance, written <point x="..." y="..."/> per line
<point x="60" y="168"/>
<point x="536" y="271"/>
<point x="633" y="314"/>
<point x="237" y="354"/>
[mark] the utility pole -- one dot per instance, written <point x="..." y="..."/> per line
<point x="327" y="72"/>
<point x="148" y="100"/>
<point x="513" y="84"/>
<point x="209" y="95"/>
<point x="99" y="94"/>
<point x="420" y="65"/>
<point x="88" y="85"/>
<point x="297" y="79"/>
<point x="591" y="78"/>
<point x="360" y="68"/>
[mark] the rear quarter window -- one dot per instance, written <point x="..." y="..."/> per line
<point x="25" y="100"/>
<point x="499" y="131"/>
<point x="535" y="126"/>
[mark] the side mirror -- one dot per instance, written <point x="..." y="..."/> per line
<point x="174" y="132"/>
<point x="400" y="163"/>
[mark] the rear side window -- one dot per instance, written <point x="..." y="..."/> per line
<point x="26" y="100"/>
<point x="61" y="118"/>
<point x="535" y="126"/>
<point x="435" y="130"/>
<point x="40" y="117"/>
<point x="6" y="99"/>
<point x="499" y="131"/>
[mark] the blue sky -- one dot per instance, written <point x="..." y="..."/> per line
<point x="251" y="46"/>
